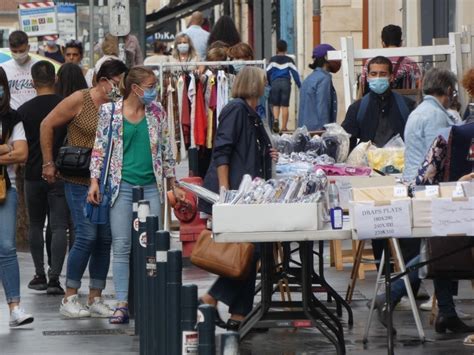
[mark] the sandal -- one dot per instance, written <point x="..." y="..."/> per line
<point x="123" y="318"/>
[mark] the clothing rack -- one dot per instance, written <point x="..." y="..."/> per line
<point x="227" y="63"/>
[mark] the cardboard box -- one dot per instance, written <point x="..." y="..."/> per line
<point x="422" y="212"/>
<point x="379" y="194"/>
<point x="274" y="217"/>
<point x="345" y="185"/>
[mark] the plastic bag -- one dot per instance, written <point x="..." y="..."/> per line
<point x="316" y="145"/>
<point x="285" y="144"/>
<point x="300" y="138"/>
<point x="336" y="141"/>
<point x="390" y="159"/>
<point x="358" y="156"/>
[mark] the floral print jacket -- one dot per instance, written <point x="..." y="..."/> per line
<point x="162" y="155"/>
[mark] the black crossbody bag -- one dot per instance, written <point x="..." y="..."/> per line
<point x="74" y="161"/>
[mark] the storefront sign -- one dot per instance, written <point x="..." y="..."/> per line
<point x="452" y="217"/>
<point x="66" y="22"/>
<point x="38" y="18"/>
<point x="389" y="220"/>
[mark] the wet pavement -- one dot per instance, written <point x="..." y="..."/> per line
<point x="53" y="334"/>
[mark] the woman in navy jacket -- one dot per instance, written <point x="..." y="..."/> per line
<point x="241" y="147"/>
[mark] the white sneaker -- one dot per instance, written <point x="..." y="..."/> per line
<point x="100" y="309"/>
<point x="404" y="304"/>
<point x="19" y="317"/>
<point x="426" y="306"/>
<point x="73" y="308"/>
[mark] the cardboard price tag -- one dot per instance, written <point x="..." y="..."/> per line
<point x="452" y="217"/>
<point x="432" y="191"/>
<point x="387" y="221"/>
<point x="400" y="191"/>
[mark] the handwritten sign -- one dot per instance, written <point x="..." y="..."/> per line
<point x="452" y="217"/>
<point x="387" y="221"/>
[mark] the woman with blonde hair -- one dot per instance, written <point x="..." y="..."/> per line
<point x="183" y="50"/>
<point x="240" y="133"/>
<point x="141" y="156"/>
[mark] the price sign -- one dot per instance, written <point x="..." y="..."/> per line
<point x="387" y="221"/>
<point x="452" y="217"/>
<point x="119" y="17"/>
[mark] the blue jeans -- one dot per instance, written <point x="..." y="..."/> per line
<point x="9" y="269"/>
<point x="92" y="241"/>
<point x="121" y="225"/>
<point x="398" y="287"/>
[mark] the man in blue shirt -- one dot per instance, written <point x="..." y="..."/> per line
<point x="318" y="99"/>
<point x="197" y="34"/>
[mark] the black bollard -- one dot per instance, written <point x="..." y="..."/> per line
<point x="173" y="297"/>
<point x="189" y="294"/>
<point x="143" y="213"/>
<point x="150" y="285"/>
<point x="229" y="343"/>
<point x="137" y="195"/>
<point x="162" y="246"/>
<point x="206" y="330"/>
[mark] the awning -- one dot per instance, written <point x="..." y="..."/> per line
<point x="175" y="11"/>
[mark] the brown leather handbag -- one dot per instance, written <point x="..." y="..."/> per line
<point x="232" y="260"/>
<point x="3" y="185"/>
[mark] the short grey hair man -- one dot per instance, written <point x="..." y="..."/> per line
<point x="438" y="82"/>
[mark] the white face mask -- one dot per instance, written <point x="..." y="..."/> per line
<point x="20" y="58"/>
<point x="183" y="48"/>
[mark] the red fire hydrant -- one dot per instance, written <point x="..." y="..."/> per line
<point x="192" y="222"/>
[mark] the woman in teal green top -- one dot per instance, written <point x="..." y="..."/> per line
<point x="141" y="155"/>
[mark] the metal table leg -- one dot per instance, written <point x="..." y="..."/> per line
<point x="411" y="297"/>
<point x="307" y="295"/>
<point x="388" y="297"/>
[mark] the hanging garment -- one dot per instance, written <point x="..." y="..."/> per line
<point x="186" y="115"/>
<point x="192" y="113"/>
<point x="222" y="92"/>
<point x="211" y="116"/>
<point x="200" y="126"/>
<point x="179" y="96"/>
<point x="171" y="119"/>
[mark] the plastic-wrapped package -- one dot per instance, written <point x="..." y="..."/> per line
<point x="390" y="159"/>
<point x="300" y="139"/>
<point x="358" y="156"/>
<point x="336" y="141"/>
<point x="301" y="188"/>
<point x="285" y="144"/>
<point x="316" y="145"/>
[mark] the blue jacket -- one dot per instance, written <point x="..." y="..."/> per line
<point x="242" y="143"/>
<point x="424" y="124"/>
<point x="318" y="101"/>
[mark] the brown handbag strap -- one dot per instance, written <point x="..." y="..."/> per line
<point x="2" y="170"/>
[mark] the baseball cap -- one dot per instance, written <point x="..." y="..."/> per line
<point x="322" y="49"/>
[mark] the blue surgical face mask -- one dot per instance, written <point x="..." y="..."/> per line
<point x="238" y="67"/>
<point x="2" y="91"/>
<point x="379" y="85"/>
<point x="149" y="95"/>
